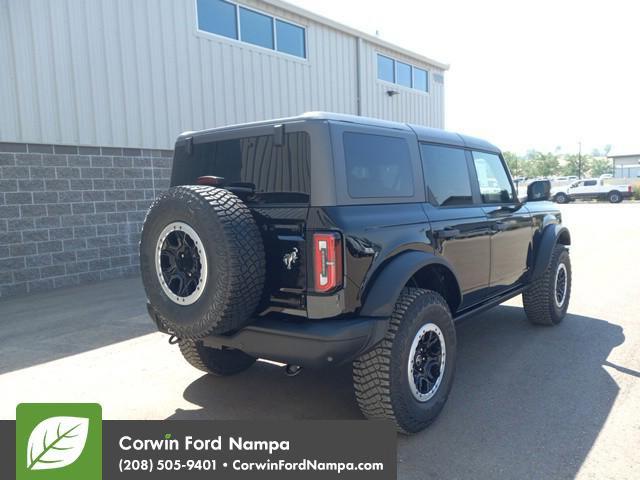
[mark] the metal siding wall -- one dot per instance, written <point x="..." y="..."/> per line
<point x="408" y="106"/>
<point x="9" y="118"/>
<point x="136" y="74"/>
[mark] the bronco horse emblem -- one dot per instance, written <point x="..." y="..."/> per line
<point x="290" y="258"/>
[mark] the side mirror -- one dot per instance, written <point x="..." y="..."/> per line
<point x="539" y="190"/>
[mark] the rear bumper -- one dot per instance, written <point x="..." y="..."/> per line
<point x="308" y="343"/>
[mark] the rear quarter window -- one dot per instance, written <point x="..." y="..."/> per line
<point x="377" y="166"/>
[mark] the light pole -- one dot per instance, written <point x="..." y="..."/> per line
<point x="579" y="160"/>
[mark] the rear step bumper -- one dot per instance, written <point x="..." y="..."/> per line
<point x="307" y="343"/>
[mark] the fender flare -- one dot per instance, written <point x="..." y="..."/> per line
<point x="551" y="235"/>
<point x="386" y="286"/>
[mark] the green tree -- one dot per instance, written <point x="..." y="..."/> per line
<point x="600" y="166"/>
<point x="531" y="154"/>
<point x="513" y="162"/>
<point x="544" y="164"/>
<point x="575" y="164"/>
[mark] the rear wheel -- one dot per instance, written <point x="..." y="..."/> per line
<point x="408" y="376"/>
<point x="614" y="197"/>
<point x="546" y="300"/>
<point x="215" y="361"/>
<point x="202" y="261"/>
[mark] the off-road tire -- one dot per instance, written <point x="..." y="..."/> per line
<point x="215" y="361"/>
<point x="235" y="256"/>
<point x="380" y="376"/>
<point x="561" y="198"/>
<point x="539" y="297"/>
<point x="614" y="196"/>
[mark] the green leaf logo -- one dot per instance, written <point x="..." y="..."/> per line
<point x="56" y="442"/>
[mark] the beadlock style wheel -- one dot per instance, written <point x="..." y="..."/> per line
<point x="202" y="261"/>
<point x="181" y="263"/>
<point x="427" y="360"/>
<point x="407" y="377"/>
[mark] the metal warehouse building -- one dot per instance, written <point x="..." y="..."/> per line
<point x="626" y="165"/>
<point x="94" y="92"/>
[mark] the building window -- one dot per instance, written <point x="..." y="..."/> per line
<point x="290" y="38"/>
<point x="403" y="74"/>
<point x="385" y="69"/>
<point x="400" y="73"/>
<point x="221" y="17"/>
<point x="420" y="79"/>
<point x="256" y="28"/>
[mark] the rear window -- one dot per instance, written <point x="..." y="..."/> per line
<point x="377" y="166"/>
<point x="276" y="173"/>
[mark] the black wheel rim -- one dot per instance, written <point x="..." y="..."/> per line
<point x="561" y="285"/>
<point x="426" y="362"/>
<point x="181" y="263"/>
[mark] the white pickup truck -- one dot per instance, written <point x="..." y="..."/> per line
<point x="590" y="189"/>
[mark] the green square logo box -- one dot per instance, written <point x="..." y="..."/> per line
<point x="56" y="441"/>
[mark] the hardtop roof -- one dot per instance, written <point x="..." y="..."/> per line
<point x="424" y="134"/>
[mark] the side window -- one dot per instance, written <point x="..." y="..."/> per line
<point x="377" y="166"/>
<point x="447" y="175"/>
<point x="590" y="183"/>
<point x="492" y="178"/>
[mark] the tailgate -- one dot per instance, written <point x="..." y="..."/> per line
<point x="283" y="234"/>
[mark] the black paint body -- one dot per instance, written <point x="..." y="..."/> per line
<point x="485" y="253"/>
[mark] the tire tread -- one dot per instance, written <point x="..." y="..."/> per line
<point x="537" y="298"/>
<point x="372" y="370"/>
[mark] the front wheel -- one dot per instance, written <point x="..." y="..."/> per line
<point x="407" y="377"/>
<point x="546" y="300"/>
<point x="561" y="198"/>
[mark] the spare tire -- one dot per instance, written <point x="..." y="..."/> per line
<point x="202" y="261"/>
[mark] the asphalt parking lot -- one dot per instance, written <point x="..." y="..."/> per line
<point x="527" y="402"/>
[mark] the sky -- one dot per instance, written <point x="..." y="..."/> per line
<point x="524" y="74"/>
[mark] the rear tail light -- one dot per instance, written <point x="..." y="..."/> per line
<point x="210" y="180"/>
<point x="327" y="261"/>
<point x="629" y="189"/>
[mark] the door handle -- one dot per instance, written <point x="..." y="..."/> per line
<point x="500" y="227"/>
<point x="447" y="233"/>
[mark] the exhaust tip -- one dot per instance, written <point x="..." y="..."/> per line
<point x="292" y="370"/>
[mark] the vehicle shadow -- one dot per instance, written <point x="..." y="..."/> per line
<point x="46" y="326"/>
<point x="527" y="402"/>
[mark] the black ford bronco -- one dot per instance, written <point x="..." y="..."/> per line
<point x="324" y="239"/>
